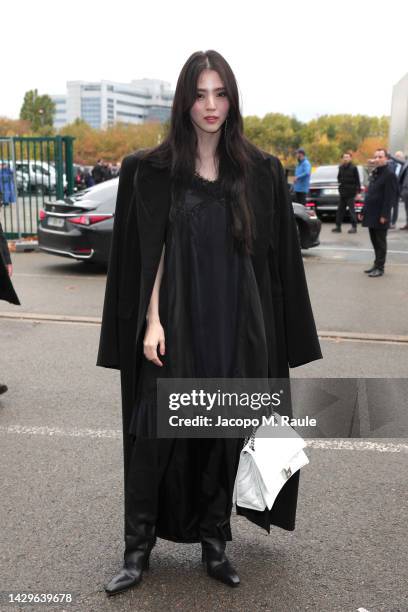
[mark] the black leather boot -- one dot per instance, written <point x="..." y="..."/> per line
<point x="136" y="559"/>
<point x="218" y="565"/>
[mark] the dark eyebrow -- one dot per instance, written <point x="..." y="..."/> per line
<point x="216" y="89"/>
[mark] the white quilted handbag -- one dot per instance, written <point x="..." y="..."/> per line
<point x="266" y="463"/>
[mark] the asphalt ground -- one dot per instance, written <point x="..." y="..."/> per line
<point x="61" y="455"/>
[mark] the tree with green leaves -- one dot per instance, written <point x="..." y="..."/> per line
<point x="38" y="110"/>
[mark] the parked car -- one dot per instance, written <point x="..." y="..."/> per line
<point x="308" y="225"/>
<point x="35" y="176"/>
<point x="324" y="195"/>
<point x="80" y="226"/>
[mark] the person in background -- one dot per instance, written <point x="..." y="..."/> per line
<point x="79" y="179"/>
<point x="7" y="190"/>
<point x="349" y="185"/>
<point x="6" y="288"/>
<point x="403" y="190"/>
<point x="99" y="172"/>
<point x="108" y="171"/>
<point x="396" y="163"/>
<point x="88" y="179"/>
<point x="376" y="213"/>
<point x="303" y="171"/>
<point x="115" y="169"/>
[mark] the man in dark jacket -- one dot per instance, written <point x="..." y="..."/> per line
<point x="349" y="185"/>
<point x="99" y="172"/>
<point x="376" y="213"/>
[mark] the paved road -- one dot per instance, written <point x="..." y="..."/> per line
<point x="60" y="449"/>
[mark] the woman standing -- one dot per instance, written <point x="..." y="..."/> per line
<point x="205" y="279"/>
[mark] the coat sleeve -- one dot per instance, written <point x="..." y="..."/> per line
<point x="4" y="250"/>
<point x="390" y="195"/>
<point x="302" y="341"/>
<point x="357" y="178"/>
<point x="108" y="352"/>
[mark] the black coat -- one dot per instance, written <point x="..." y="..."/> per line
<point x="381" y="196"/>
<point x="349" y="180"/>
<point x="7" y="291"/>
<point x="142" y="208"/>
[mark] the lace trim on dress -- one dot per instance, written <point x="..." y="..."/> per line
<point x="205" y="180"/>
<point x="209" y="191"/>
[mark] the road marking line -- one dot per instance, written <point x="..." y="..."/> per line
<point x="327" y="335"/>
<point x="357" y="249"/>
<point x="43" y="430"/>
<point x="32" y="316"/>
<point x="359" y="445"/>
<point x="349" y="335"/>
<point x="331" y="444"/>
<point x="56" y="275"/>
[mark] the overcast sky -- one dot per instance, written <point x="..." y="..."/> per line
<point x="304" y="58"/>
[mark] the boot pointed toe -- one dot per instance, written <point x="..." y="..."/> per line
<point x="224" y="572"/>
<point x="123" y="581"/>
<point x="218" y="564"/>
<point x="136" y="561"/>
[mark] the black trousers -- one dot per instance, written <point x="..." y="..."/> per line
<point x="346" y="202"/>
<point x="300" y="197"/>
<point x="379" y="242"/>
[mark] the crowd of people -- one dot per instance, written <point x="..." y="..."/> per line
<point x="388" y="185"/>
<point x="102" y="171"/>
<point x="349" y="184"/>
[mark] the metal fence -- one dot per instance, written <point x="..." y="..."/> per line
<point x="32" y="169"/>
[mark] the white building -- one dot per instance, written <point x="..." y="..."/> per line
<point x="398" y="136"/>
<point x="103" y="103"/>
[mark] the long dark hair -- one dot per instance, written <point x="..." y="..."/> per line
<point x="236" y="154"/>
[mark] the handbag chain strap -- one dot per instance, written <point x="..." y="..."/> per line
<point x="251" y="439"/>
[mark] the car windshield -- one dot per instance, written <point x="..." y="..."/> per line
<point x="325" y="173"/>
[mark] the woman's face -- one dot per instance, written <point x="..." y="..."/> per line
<point x="210" y="109"/>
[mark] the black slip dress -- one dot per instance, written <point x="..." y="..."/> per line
<point x="211" y="313"/>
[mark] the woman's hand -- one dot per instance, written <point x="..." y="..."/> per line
<point x="154" y="336"/>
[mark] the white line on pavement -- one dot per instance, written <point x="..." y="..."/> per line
<point x="88" y="320"/>
<point x="330" y="444"/>
<point x="38" y="430"/>
<point x="339" y="248"/>
<point x="58" y="275"/>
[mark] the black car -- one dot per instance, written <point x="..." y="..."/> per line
<point x="324" y="195"/>
<point x="80" y="226"/>
<point x="308" y="226"/>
